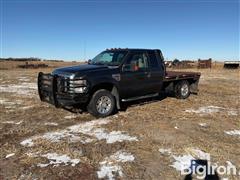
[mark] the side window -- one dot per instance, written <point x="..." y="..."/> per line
<point x="153" y="60"/>
<point x="137" y="62"/>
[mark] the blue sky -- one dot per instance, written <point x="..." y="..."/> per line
<point x="75" y="30"/>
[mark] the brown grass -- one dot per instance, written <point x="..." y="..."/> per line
<point x="152" y="122"/>
<point x="7" y="65"/>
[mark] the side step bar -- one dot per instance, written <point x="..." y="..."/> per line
<point x="140" y="97"/>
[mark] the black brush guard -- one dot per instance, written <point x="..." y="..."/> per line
<point x="47" y="88"/>
<point x="59" y="90"/>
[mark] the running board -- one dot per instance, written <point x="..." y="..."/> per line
<point x="140" y="97"/>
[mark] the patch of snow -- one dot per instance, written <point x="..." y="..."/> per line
<point x="83" y="140"/>
<point x="124" y="113"/>
<point x="51" y="124"/>
<point x="27" y="142"/>
<point x="81" y="133"/>
<point x="110" y="168"/>
<point x="4" y="82"/>
<point x="122" y="156"/>
<point x="10" y="155"/>
<point x="26" y="107"/>
<point x="229" y="163"/>
<point x="12" y="122"/>
<point x="8" y="122"/>
<point x="25" y="88"/>
<point x="199" y="154"/>
<point x="212" y="109"/>
<point x="70" y="117"/>
<point x="182" y="162"/>
<point x="30" y="154"/>
<point x="203" y="124"/>
<point x="205" y="110"/>
<point x="109" y="171"/>
<point x="233" y="132"/>
<point x="11" y="110"/>
<point x="56" y="159"/>
<point x="24" y="79"/>
<point x="10" y="104"/>
<point x="176" y="127"/>
<point x="112" y="137"/>
<point x="117" y="136"/>
<point x="10" y="107"/>
<point x="6" y="102"/>
<point x="165" y="151"/>
<point x="232" y="113"/>
<point x="19" y="122"/>
<point x="53" y="136"/>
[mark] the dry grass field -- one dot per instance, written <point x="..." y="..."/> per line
<point x="150" y="140"/>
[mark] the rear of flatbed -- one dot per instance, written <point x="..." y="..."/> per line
<point x="173" y="78"/>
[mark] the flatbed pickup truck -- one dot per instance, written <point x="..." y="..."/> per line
<point x="113" y="77"/>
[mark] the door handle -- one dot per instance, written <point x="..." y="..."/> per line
<point x="148" y="74"/>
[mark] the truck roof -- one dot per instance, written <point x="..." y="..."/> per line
<point x="130" y="49"/>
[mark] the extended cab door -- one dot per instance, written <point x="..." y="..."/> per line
<point x="135" y="75"/>
<point x="156" y="71"/>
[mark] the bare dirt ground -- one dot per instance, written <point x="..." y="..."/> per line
<point x="150" y="140"/>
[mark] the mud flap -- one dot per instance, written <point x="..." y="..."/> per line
<point x="194" y="87"/>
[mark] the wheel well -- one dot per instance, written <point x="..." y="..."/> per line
<point x="110" y="87"/>
<point x="107" y="86"/>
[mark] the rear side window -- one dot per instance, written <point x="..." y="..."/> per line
<point x="137" y="62"/>
<point x="152" y="59"/>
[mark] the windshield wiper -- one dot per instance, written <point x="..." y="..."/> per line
<point x="113" y="64"/>
<point x="105" y="63"/>
<point x="97" y="63"/>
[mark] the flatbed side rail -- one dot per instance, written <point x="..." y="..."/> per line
<point x="176" y="77"/>
<point x="47" y="88"/>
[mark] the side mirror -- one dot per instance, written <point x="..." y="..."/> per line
<point x="89" y="61"/>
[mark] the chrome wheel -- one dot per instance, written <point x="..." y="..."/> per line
<point x="103" y="104"/>
<point x="184" y="90"/>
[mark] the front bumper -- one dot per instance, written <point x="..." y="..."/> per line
<point x="57" y="90"/>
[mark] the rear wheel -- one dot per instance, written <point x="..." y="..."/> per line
<point x="182" y="90"/>
<point x="102" y="103"/>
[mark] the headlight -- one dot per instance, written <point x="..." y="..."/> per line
<point x="80" y="89"/>
<point x="79" y="85"/>
<point x="80" y="82"/>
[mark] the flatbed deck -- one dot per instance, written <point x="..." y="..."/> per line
<point x="177" y="75"/>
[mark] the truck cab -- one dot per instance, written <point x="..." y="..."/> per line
<point x="114" y="76"/>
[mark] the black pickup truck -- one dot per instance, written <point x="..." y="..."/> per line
<point x="113" y="77"/>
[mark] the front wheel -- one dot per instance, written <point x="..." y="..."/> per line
<point x="102" y="103"/>
<point x="182" y="90"/>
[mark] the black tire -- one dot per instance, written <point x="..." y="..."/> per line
<point x="182" y="90"/>
<point x="92" y="106"/>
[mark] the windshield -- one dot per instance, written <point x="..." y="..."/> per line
<point x="110" y="58"/>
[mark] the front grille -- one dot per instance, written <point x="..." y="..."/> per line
<point x="62" y="84"/>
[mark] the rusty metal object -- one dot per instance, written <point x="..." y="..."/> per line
<point x="33" y="66"/>
<point x="205" y="63"/>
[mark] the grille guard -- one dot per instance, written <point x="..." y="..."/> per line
<point x="47" y="88"/>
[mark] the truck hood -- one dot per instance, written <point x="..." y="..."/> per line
<point x="79" y="68"/>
